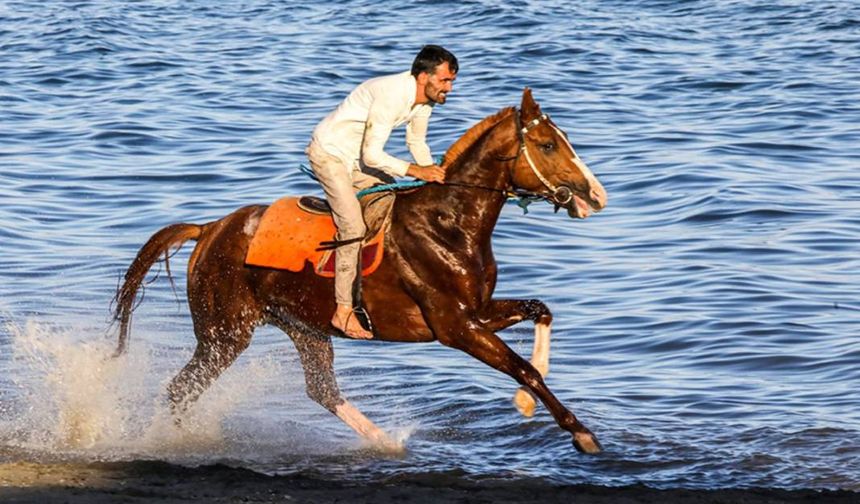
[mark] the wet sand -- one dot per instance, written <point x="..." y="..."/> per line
<point x="158" y="482"/>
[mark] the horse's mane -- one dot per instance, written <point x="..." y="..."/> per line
<point x="460" y="146"/>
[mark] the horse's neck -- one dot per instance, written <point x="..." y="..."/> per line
<point x="468" y="206"/>
<point x="479" y="191"/>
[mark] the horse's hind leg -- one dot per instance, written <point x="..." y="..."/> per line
<point x="317" y="356"/>
<point x="502" y="313"/>
<point x="216" y="350"/>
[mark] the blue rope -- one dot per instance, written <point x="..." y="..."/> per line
<point x="308" y="171"/>
<point x="390" y="187"/>
<point x="522" y="202"/>
<point x="370" y="190"/>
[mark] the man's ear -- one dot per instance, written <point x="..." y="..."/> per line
<point x="422" y="78"/>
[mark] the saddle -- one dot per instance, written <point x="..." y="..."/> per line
<point x="292" y="231"/>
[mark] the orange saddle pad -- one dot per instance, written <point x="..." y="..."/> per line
<point x="288" y="236"/>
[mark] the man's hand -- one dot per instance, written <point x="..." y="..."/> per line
<point x="430" y="173"/>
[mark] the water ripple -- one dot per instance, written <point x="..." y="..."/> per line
<point x="705" y="322"/>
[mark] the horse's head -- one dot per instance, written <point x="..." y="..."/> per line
<point x="548" y="165"/>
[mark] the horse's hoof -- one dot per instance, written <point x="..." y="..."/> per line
<point x="586" y="442"/>
<point x="387" y="446"/>
<point x="525" y="403"/>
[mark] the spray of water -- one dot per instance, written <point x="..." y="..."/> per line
<point x="66" y="398"/>
<point x="69" y="397"/>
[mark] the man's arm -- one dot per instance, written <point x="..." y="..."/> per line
<point x="380" y="121"/>
<point x="416" y="138"/>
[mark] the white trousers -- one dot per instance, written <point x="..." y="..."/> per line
<point x="340" y="184"/>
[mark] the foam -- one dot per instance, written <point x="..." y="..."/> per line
<point x="72" y="398"/>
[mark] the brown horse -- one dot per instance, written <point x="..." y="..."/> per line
<point x="435" y="282"/>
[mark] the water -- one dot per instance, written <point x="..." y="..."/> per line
<point x="706" y="323"/>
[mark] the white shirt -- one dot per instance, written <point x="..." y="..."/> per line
<point x="357" y="130"/>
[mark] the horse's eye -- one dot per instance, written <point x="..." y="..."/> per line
<point x="547" y="147"/>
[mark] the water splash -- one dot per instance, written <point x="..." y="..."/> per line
<point x="74" y="399"/>
<point x="71" y="394"/>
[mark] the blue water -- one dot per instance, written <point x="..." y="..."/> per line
<point x="707" y="323"/>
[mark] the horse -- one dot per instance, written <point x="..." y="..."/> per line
<point x="435" y="281"/>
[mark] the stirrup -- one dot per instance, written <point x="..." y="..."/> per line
<point x="362" y="316"/>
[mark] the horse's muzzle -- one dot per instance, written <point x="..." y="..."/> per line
<point x="578" y="205"/>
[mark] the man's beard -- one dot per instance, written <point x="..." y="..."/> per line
<point x="439" y="98"/>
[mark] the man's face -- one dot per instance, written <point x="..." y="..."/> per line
<point x="439" y="83"/>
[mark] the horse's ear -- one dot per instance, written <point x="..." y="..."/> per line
<point x="529" y="108"/>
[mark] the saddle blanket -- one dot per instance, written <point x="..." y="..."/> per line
<point x="289" y="236"/>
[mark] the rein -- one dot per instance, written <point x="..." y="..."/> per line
<point x="559" y="196"/>
<point x="524" y="198"/>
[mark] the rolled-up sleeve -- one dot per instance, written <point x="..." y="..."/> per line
<point x="380" y="121"/>
<point x="416" y="137"/>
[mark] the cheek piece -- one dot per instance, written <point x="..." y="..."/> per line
<point x="561" y="194"/>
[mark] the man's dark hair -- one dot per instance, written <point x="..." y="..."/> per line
<point x="432" y="56"/>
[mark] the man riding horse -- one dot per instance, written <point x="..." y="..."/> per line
<point x="347" y="154"/>
<point x="437" y="269"/>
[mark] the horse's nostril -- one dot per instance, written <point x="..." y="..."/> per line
<point x="598" y="195"/>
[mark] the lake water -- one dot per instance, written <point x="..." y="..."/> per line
<point x="707" y="323"/>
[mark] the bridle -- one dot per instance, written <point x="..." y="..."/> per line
<point x="559" y="195"/>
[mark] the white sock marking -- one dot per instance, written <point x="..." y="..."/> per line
<point x="364" y="427"/>
<point x="540" y="354"/>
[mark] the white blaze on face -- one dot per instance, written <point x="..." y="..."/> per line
<point x="598" y="193"/>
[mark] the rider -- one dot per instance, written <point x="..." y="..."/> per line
<point x="347" y="154"/>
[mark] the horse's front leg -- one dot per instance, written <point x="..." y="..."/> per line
<point x="473" y="338"/>
<point x="499" y="314"/>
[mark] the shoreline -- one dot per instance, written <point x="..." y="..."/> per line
<point x="161" y="482"/>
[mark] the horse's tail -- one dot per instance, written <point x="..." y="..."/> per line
<point x="169" y="238"/>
